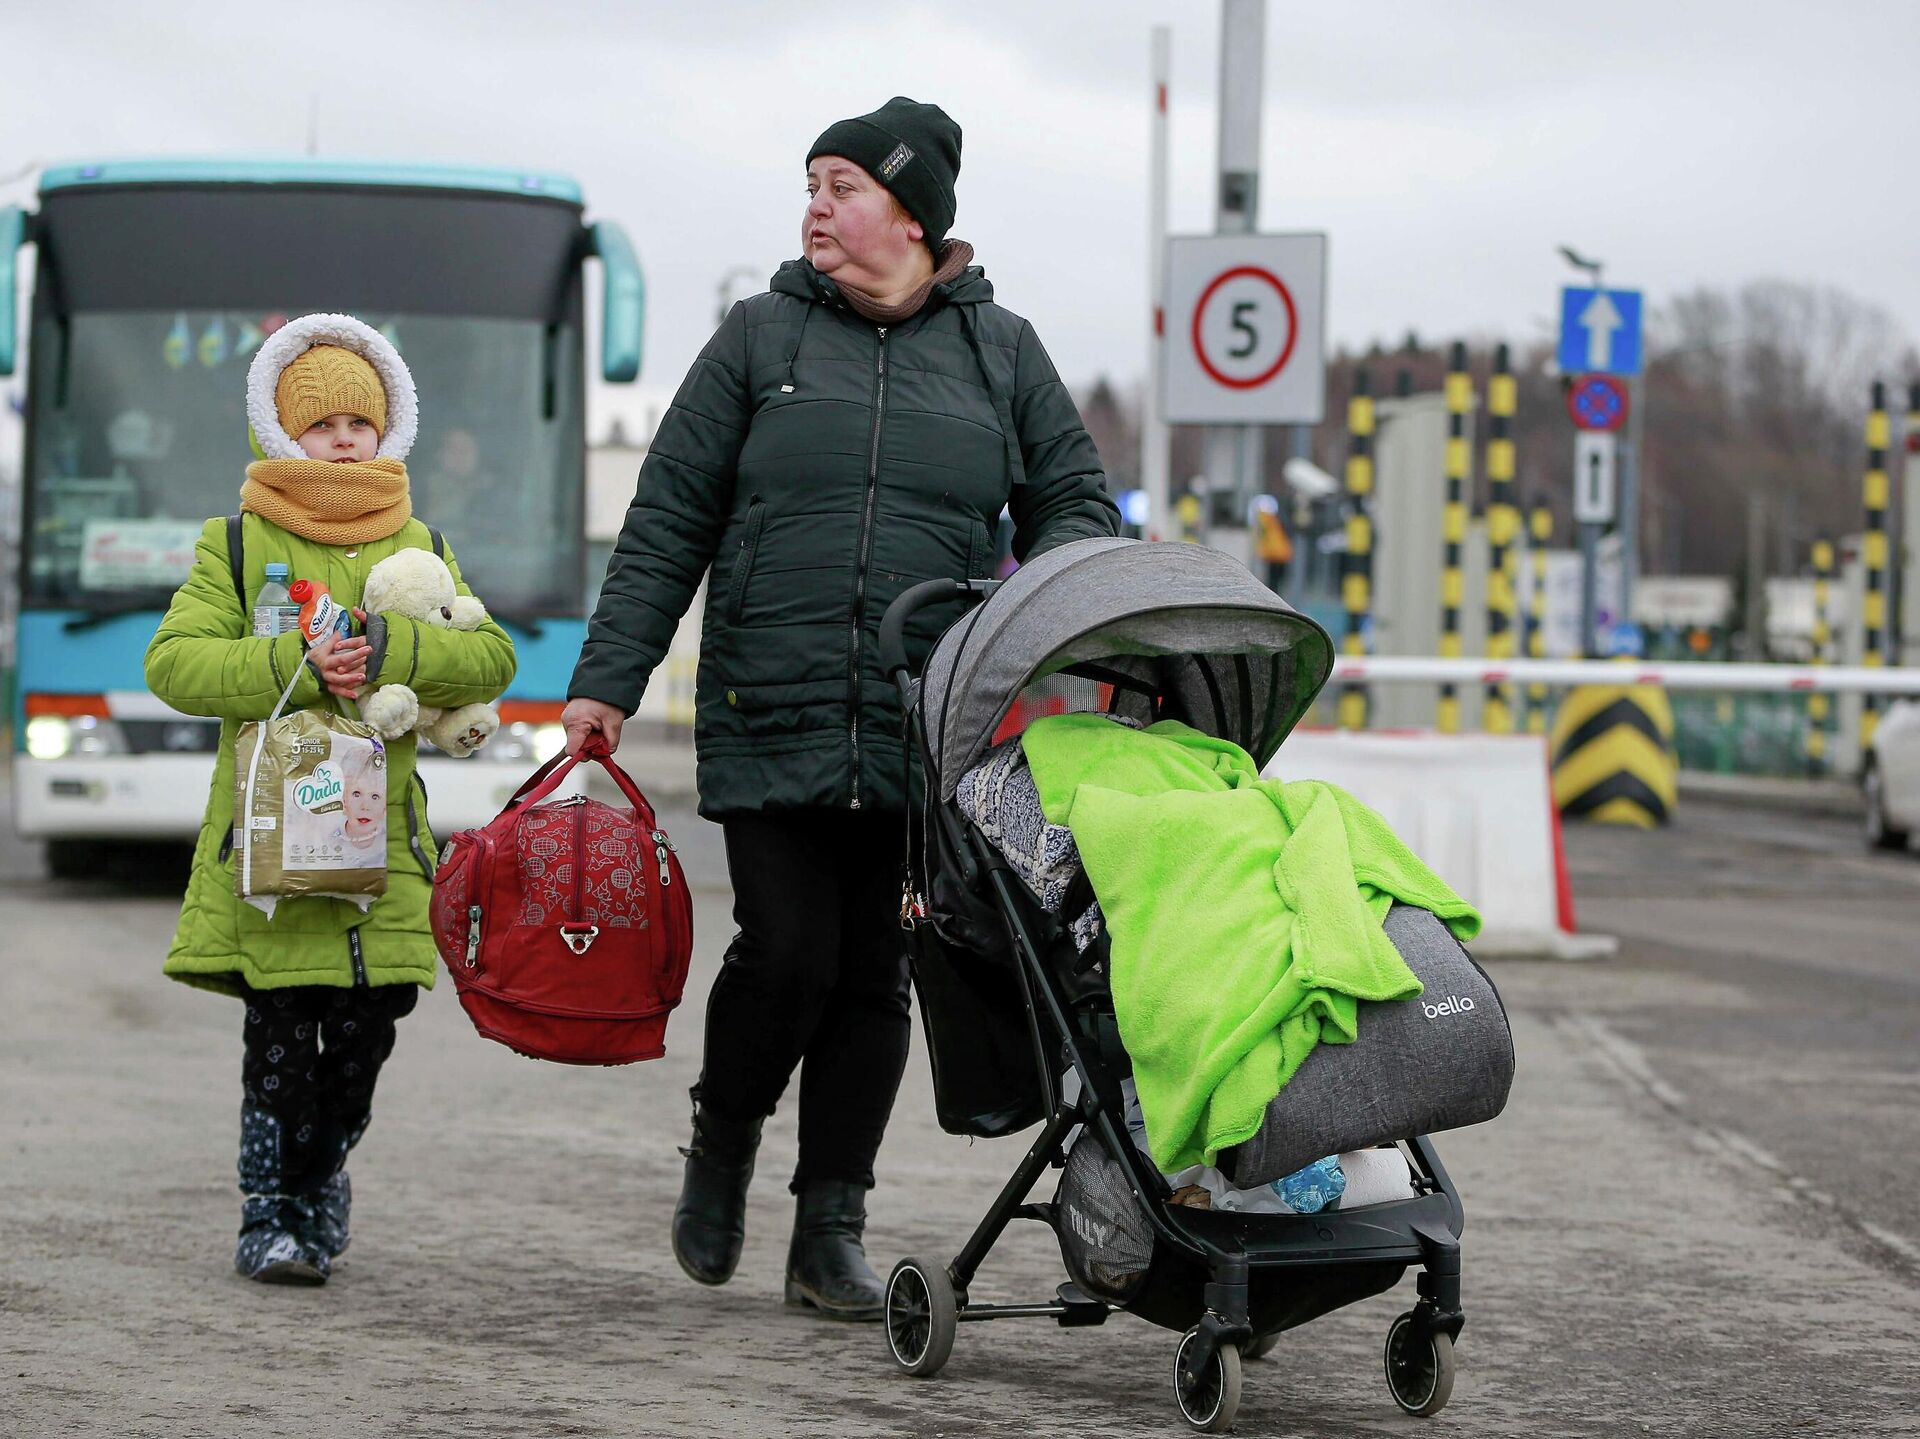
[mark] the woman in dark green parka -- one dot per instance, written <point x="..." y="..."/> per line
<point x="851" y="432"/>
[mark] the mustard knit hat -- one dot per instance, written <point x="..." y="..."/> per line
<point x="329" y="380"/>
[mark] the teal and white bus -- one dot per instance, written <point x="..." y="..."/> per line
<point x="153" y="283"/>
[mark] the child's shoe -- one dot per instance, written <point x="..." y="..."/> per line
<point x="275" y="1245"/>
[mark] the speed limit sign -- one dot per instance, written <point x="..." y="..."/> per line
<point x="1245" y="324"/>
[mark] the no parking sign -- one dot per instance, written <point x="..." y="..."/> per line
<point x="1245" y="327"/>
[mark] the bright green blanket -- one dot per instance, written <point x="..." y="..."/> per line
<point x="1244" y="915"/>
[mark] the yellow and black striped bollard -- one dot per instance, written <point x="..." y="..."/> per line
<point x="1819" y="707"/>
<point x="1540" y="531"/>
<point x="1873" y="555"/>
<point x="1453" y="527"/>
<point x="1503" y="526"/>
<point x="1356" y="583"/>
<point x="1613" y="760"/>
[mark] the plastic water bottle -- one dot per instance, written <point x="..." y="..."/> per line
<point x="274" y="612"/>
<point x="1310" y="1190"/>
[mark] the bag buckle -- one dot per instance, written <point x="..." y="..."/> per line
<point x="579" y="937"/>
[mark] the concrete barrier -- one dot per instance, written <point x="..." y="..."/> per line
<point x="1479" y="809"/>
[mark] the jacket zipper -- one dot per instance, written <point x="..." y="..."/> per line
<point x="860" y="562"/>
<point x="359" y="959"/>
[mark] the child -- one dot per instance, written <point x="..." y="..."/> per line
<point x="332" y="413"/>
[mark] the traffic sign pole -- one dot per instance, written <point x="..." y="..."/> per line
<point x="1235" y="455"/>
<point x="1156" y="457"/>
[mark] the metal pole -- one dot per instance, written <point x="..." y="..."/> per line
<point x="1819" y="707"/>
<point x="1589" y="584"/>
<point x="1540" y="536"/>
<point x="1155" y="458"/>
<point x="1503" y="528"/>
<point x="1873" y="608"/>
<point x="1234" y="460"/>
<point x="1356" y="563"/>
<point x="1629" y="521"/>
<point x="1453" y="526"/>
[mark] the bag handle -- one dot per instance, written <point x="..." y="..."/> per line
<point x="545" y="780"/>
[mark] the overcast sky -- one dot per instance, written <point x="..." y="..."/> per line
<point x="1446" y="148"/>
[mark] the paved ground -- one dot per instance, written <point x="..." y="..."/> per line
<point x="1697" y="1216"/>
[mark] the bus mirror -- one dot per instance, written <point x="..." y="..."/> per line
<point x="13" y="234"/>
<point x="623" y="303"/>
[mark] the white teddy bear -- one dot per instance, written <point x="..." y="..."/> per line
<point x="418" y="584"/>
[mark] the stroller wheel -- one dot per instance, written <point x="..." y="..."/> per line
<point x="1208" y="1400"/>
<point x="921" y="1315"/>
<point x="1263" y="1346"/>
<point x="1419" y="1367"/>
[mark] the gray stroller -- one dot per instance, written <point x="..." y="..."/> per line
<point x="1020" y="1024"/>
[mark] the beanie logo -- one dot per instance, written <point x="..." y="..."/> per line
<point x="896" y="162"/>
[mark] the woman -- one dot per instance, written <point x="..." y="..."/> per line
<point x="851" y="432"/>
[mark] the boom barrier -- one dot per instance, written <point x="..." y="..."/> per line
<point x="1770" y="679"/>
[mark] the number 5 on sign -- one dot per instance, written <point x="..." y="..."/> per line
<point x="1245" y="321"/>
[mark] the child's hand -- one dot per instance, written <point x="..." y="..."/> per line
<point x="341" y="664"/>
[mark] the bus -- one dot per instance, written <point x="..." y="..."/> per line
<point x="154" y="281"/>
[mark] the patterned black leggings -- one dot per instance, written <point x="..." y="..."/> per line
<point x="312" y="1055"/>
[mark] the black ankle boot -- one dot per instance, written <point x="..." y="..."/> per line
<point x="710" y="1222"/>
<point x="826" y="1264"/>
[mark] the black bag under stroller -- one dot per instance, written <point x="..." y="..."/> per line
<point x="1012" y="1008"/>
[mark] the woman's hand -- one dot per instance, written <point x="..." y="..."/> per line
<point x="591" y="724"/>
<point x="341" y="664"/>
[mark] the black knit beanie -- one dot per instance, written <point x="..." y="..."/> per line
<point x="912" y="149"/>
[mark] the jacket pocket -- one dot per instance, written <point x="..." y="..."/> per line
<point x="743" y="567"/>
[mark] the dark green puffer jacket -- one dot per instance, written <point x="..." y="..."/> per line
<point x="819" y="465"/>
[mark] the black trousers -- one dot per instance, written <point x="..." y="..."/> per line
<point x="816" y="980"/>
<point x="313" y="1053"/>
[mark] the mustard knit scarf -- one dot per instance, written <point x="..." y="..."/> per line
<point x="327" y="501"/>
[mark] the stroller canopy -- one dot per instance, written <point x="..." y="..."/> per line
<point x="1181" y="624"/>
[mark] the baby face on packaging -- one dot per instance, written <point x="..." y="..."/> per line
<point x="346" y="439"/>
<point x="365" y="802"/>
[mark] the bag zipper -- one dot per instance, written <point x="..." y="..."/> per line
<point x="473" y="936"/>
<point x="661" y="844"/>
<point x="860" y="562"/>
<point x="579" y="860"/>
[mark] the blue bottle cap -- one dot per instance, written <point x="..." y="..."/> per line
<point x="276" y="570"/>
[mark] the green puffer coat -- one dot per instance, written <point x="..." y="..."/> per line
<point x="819" y="465"/>
<point x="205" y="661"/>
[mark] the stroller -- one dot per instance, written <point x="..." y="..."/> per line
<point x="1020" y="1024"/>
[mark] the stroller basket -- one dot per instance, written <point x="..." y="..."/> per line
<point x="1145" y="632"/>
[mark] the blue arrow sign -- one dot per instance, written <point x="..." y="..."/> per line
<point x="1600" y="332"/>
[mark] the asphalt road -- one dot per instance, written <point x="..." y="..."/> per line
<point x="1698" y="1215"/>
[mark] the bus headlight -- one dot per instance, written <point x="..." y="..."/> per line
<point x="521" y="742"/>
<point x="48" y="737"/>
<point x="67" y="736"/>
<point x="548" y="741"/>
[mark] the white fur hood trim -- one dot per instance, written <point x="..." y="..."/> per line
<point x="294" y="339"/>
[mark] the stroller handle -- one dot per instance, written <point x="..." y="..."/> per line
<point x="893" y="624"/>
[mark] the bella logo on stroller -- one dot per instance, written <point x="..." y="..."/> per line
<point x="1451" y="1005"/>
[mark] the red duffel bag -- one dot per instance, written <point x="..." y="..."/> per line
<point x="567" y="926"/>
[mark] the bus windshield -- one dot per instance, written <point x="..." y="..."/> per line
<point x="140" y="435"/>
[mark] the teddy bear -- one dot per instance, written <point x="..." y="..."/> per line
<point x="418" y="584"/>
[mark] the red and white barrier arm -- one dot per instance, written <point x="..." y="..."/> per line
<point x="1704" y="675"/>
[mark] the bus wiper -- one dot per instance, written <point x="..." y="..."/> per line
<point x="100" y="616"/>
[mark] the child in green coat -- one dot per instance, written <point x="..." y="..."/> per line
<point x="333" y="414"/>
